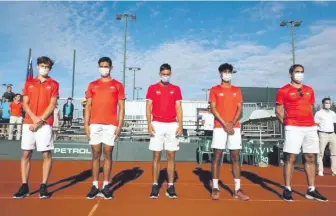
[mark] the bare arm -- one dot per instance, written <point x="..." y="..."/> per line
<point x="179" y="112"/>
<point x="50" y="109"/>
<point x="149" y="112"/>
<point x="238" y="114"/>
<point x="121" y="114"/>
<point x="216" y="114"/>
<point x="27" y="109"/>
<point x="279" y="111"/>
<point x="87" y="111"/>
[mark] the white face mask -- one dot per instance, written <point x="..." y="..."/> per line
<point x="298" y="77"/>
<point x="165" y="79"/>
<point x="327" y="106"/>
<point x="43" y="71"/>
<point x="226" y="77"/>
<point x="104" y="71"/>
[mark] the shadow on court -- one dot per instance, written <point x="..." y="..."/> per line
<point x="163" y="177"/>
<point x="124" y="177"/>
<point x="263" y="182"/>
<point x="205" y="177"/>
<point x="72" y="180"/>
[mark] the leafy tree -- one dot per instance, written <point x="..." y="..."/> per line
<point x="333" y="106"/>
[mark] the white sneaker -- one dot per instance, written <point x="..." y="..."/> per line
<point x="334" y="174"/>
<point x="320" y="173"/>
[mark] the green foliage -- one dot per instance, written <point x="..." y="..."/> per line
<point x="333" y="106"/>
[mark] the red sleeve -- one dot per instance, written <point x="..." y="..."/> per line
<point x="11" y="106"/>
<point x="212" y="95"/>
<point x="312" y="97"/>
<point x="239" y="96"/>
<point x="149" y="95"/>
<point x="55" y="92"/>
<point x="178" y="94"/>
<point x="89" y="92"/>
<point x="25" y="90"/>
<point x="280" y="97"/>
<point x="121" y="93"/>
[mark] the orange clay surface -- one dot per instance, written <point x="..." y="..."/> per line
<point x="71" y="180"/>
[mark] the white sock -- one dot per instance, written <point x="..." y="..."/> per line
<point x="288" y="187"/>
<point x="105" y="183"/>
<point x="237" y="184"/>
<point x="170" y="184"/>
<point x="311" y="188"/>
<point x="155" y="183"/>
<point x="95" y="183"/>
<point x="215" y="183"/>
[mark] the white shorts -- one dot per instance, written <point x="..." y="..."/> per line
<point x="100" y="133"/>
<point x="165" y="137"/>
<point x="297" y="137"/>
<point x="221" y="140"/>
<point x="42" y="138"/>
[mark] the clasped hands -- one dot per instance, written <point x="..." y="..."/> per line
<point x="228" y="128"/>
<point x="37" y="123"/>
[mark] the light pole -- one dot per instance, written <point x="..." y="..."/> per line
<point x="134" y="69"/>
<point x="125" y="17"/>
<point x="137" y="89"/>
<point x="206" y="93"/>
<point x="292" y="24"/>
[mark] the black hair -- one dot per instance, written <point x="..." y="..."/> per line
<point x="105" y="59"/>
<point x="326" y="99"/>
<point x="9" y="86"/>
<point x="293" y="67"/>
<point x="45" y="60"/>
<point x="165" y="67"/>
<point x="17" y="94"/>
<point x="224" y="67"/>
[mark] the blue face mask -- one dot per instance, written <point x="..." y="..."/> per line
<point x="165" y="79"/>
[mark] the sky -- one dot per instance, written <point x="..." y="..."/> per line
<point x="193" y="37"/>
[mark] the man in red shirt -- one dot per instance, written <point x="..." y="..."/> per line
<point x="15" y="109"/>
<point x="165" y="123"/>
<point x="226" y="105"/>
<point x="104" y="116"/>
<point x="39" y="100"/>
<point x="295" y="103"/>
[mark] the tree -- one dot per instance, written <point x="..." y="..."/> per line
<point x="333" y="106"/>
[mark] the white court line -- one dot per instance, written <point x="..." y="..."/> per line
<point x="150" y="183"/>
<point x="94" y="208"/>
<point x="182" y="199"/>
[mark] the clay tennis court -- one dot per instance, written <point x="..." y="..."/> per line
<point x="71" y="180"/>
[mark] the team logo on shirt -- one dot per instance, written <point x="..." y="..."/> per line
<point x="48" y="87"/>
<point x="112" y="87"/>
<point x="221" y="94"/>
<point x="234" y="94"/>
<point x="172" y="92"/>
<point x="31" y="86"/>
<point x="158" y="92"/>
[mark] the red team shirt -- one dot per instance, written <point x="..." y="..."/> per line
<point x="105" y="97"/>
<point x="40" y="95"/>
<point x="227" y="100"/>
<point x="298" y="110"/>
<point x="16" y="109"/>
<point x="164" y="99"/>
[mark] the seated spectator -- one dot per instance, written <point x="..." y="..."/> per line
<point x="15" y="109"/>
<point x="9" y="95"/>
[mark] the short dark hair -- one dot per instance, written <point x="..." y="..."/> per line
<point x="105" y="59"/>
<point x="45" y="60"/>
<point x="326" y="99"/>
<point x="17" y="94"/>
<point x="293" y="67"/>
<point x="224" y="67"/>
<point x="9" y="86"/>
<point x="165" y="66"/>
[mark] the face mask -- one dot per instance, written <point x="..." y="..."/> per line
<point x="327" y="106"/>
<point x="69" y="101"/>
<point x="165" y="79"/>
<point x="104" y="71"/>
<point x="226" y="77"/>
<point x="43" y="71"/>
<point x="298" y="77"/>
